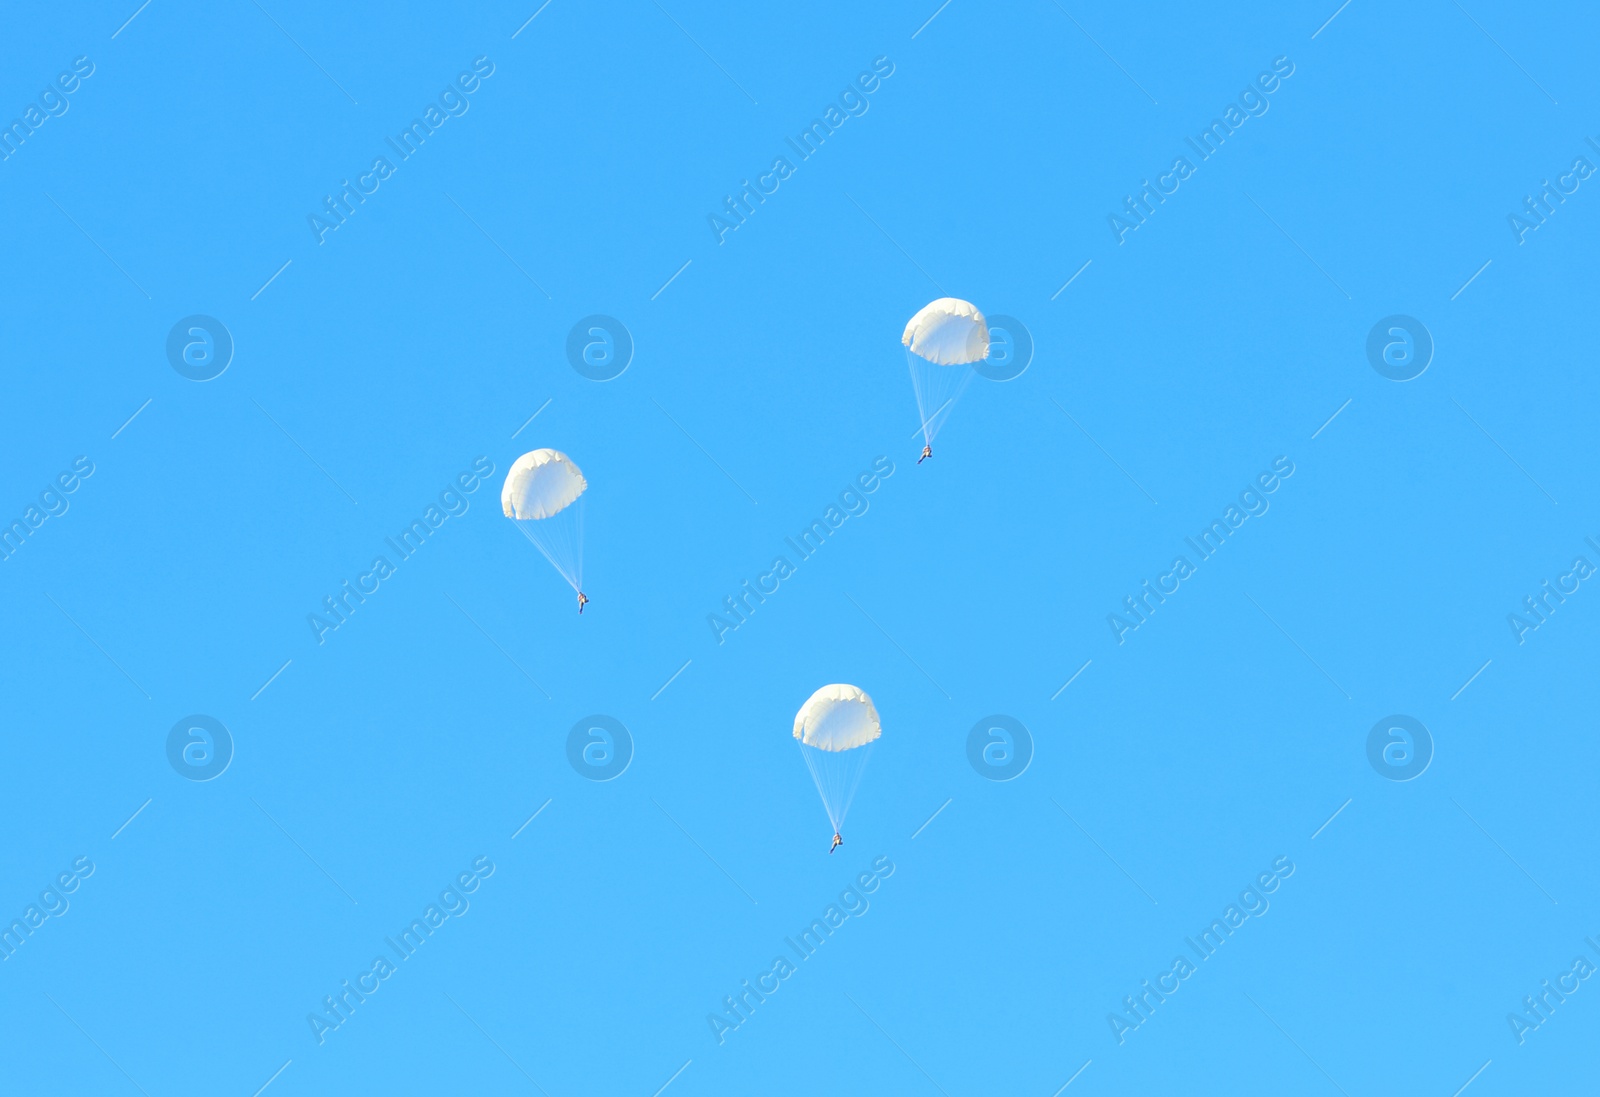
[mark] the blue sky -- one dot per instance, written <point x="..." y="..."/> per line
<point x="178" y="934"/>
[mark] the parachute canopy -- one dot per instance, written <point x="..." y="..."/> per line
<point x="541" y="484"/>
<point x="948" y="332"/>
<point x="837" y="718"/>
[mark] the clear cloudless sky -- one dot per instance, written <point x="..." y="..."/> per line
<point x="1185" y="759"/>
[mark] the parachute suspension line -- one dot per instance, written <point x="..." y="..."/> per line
<point x="577" y="554"/>
<point x="551" y="553"/>
<point x="560" y="538"/>
<point x="937" y="389"/>
<point x="837" y="775"/>
<point x="852" y="780"/>
<point x="816" y="777"/>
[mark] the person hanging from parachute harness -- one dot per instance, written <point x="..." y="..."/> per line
<point x="927" y="452"/>
<point x="583" y="600"/>
<point x="837" y="842"/>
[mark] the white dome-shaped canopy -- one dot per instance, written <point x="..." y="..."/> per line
<point x="837" y="718"/>
<point x="540" y="484"/>
<point x="948" y="332"/>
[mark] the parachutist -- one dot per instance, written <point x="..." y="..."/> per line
<point x="836" y="728"/>
<point x="544" y="494"/>
<point x="946" y="343"/>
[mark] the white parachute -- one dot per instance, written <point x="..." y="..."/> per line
<point x="942" y="342"/>
<point x="543" y="494"/>
<point x="836" y="728"/>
